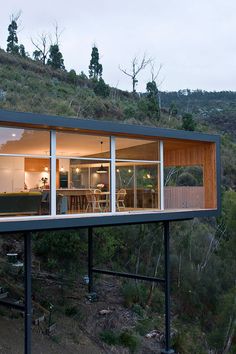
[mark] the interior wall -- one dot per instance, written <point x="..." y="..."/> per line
<point x="33" y="179"/>
<point x="12" y="174"/>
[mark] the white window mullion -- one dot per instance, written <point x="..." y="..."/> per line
<point x="162" y="175"/>
<point x="113" y="175"/>
<point x="53" y="173"/>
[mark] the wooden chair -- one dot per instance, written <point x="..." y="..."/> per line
<point x="120" y="199"/>
<point x="94" y="202"/>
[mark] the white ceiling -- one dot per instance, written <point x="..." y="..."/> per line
<point x="37" y="142"/>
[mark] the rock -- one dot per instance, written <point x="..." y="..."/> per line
<point x="104" y="312"/>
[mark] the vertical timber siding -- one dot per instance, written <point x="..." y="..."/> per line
<point x="201" y="154"/>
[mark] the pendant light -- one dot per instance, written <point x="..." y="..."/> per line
<point x="101" y="169"/>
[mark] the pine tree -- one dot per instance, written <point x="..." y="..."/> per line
<point x="101" y="88"/>
<point x="55" y="57"/>
<point x="12" y="40"/>
<point x="188" y="122"/>
<point x="22" y="51"/>
<point x="153" y="110"/>
<point x="95" y="68"/>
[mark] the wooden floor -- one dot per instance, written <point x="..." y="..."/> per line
<point x="130" y="210"/>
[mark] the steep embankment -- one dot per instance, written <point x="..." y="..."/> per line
<point x="26" y="85"/>
<point x="203" y="251"/>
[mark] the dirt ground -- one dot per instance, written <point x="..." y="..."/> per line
<point x="79" y="333"/>
<point x="12" y="341"/>
<point x="74" y="333"/>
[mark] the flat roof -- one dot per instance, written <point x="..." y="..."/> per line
<point x="37" y="120"/>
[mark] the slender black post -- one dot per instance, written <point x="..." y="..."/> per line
<point x="27" y="281"/>
<point x="90" y="259"/>
<point x="167" y="349"/>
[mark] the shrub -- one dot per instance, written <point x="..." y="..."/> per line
<point x="130" y="340"/>
<point x="134" y="294"/>
<point x="71" y="311"/>
<point x="126" y="339"/>
<point x="109" y="337"/>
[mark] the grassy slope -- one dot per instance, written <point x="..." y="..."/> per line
<point x="28" y="86"/>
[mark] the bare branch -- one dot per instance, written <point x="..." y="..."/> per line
<point x="125" y="72"/>
<point x="154" y="75"/>
<point x="57" y="33"/>
<point x="15" y="17"/>
<point x="136" y="68"/>
<point x="42" y="46"/>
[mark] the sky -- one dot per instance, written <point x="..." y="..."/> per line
<point x="194" y="41"/>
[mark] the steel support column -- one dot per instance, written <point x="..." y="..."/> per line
<point x="90" y="259"/>
<point x="27" y="284"/>
<point x="167" y="349"/>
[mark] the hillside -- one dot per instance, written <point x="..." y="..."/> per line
<point x="202" y="251"/>
<point x="215" y="108"/>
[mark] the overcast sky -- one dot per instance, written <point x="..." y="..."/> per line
<point x="194" y="40"/>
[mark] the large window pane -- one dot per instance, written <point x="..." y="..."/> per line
<point x="24" y="141"/>
<point x="83" y="186"/>
<point x="24" y="186"/>
<point x="184" y="187"/>
<point x="134" y="149"/>
<point x="137" y="186"/>
<point x="79" y="145"/>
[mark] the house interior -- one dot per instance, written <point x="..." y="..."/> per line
<point x="149" y="174"/>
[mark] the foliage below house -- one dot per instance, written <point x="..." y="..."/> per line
<point x="202" y="251"/>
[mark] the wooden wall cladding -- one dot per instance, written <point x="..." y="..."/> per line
<point x="189" y="154"/>
<point x="38" y="164"/>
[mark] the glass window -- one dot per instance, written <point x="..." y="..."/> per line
<point x="134" y="149"/>
<point x="183" y="187"/>
<point x="137" y="186"/>
<point x="79" y="145"/>
<point x="24" y="186"/>
<point x="83" y="185"/>
<point x="24" y="141"/>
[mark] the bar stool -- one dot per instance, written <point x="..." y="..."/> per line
<point x="74" y="202"/>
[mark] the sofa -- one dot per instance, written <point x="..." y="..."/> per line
<point x="28" y="203"/>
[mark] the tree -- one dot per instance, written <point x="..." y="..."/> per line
<point x="173" y="111"/>
<point x="42" y="48"/>
<point x="153" y="92"/>
<point x="12" y="39"/>
<point x="95" y="68"/>
<point x="186" y="179"/>
<point x="72" y="76"/>
<point x="136" y="68"/>
<point x="55" y="57"/>
<point x="152" y="98"/>
<point x="101" y="88"/>
<point x="22" y="51"/>
<point x="188" y="122"/>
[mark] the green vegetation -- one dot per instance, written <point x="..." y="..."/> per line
<point x="203" y="262"/>
<point x="126" y="339"/>
<point x="188" y="122"/>
<point x="95" y="68"/>
<point x="55" y="57"/>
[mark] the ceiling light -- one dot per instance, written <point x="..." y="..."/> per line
<point x="46" y="169"/>
<point x="101" y="169"/>
<point x="13" y="135"/>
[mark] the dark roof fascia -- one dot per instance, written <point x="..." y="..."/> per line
<point x="58" y="122"/>
<point x="98" y="221"/>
